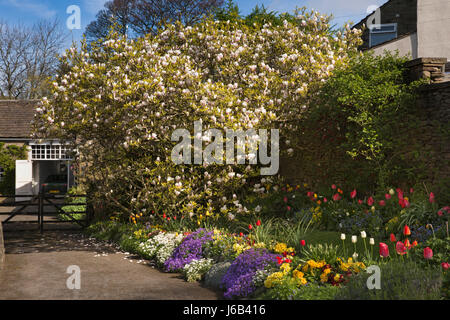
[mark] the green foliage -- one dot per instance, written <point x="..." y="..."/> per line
<point x="400" y="280"/>
<point x="8" y="156"/>
<point x="441" y="252"/>
<point x="321" y="252"/>
<point x="358" y="126"/>
<point x="77" y="211"/>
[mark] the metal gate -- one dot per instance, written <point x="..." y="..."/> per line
<point x="67" y="208"/>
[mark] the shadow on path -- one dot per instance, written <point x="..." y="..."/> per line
<point x="36" y="268"/>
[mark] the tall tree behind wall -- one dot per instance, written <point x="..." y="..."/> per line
<point x="28" y="56"/>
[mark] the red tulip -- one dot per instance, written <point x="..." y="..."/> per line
<point x="445" y="265"/>
<point x="285" y="199"/>
<point x="325" y="200"/>
<point x="399" y="193"/>
<point x="403" y="203"/>
<point x="360" y="201"/>
<point x="353" y="194"/>
<point x="309" y="194"/>
<point x="384" y="250"/>
<point x="440" y="213"/>
<point x="393" y="238"/>
<point x="370" y="201"/>
<point x="411" y="190"/>
<point x="164" y="215"/>
<point x="288" y="208"/>
<point x="175" y="218"/>
<point x="431" y="197"/>
<point x="400" y="248"/>
<point x="427" y="253"/>
<point x="336" y="197"/>
<point x="250" y="227"/>
<point x="241" y="234"/>
<point x="382" y="203"/>
<point x="333" y="186"/>
<point x="258" y="223"/>
<point x="387" y="196"/>
<point x="406" y="230"/>
<point x="303" y="243"/>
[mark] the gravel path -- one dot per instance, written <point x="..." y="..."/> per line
<point x="36" y="268"/>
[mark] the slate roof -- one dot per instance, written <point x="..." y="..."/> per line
<point x="16" y="117"/>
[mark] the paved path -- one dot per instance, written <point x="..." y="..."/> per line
<point x="35" y="268"/>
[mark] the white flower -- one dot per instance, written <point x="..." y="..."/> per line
<point x="372" y="241"/>
<point x="258" y="208"/>
<point x="363" y="234"/>
<point x="354" y="239"/>
<point x="342" y="236"/>
<point x="355" y="256"/>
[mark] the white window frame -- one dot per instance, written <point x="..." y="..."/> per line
<point x="375" y="29"/>
<point x="48" y="151"/>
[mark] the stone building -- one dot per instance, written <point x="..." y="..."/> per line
<point x="44" y="158"/>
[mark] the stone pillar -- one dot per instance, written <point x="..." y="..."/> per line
<point x="427" y="68"/>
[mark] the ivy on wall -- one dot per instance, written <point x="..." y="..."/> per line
<point x="8" y="156"/>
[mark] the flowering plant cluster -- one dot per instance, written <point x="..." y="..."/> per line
<point x="238" y="281"/>
<point x="191" y="248"/>
<point x="194" y="270"/>
<point x="160" y="246"/>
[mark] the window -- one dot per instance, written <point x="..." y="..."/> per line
<point x="2" y="173"/>
<point x="49" y="152"/>
<point x="380" y="33"/>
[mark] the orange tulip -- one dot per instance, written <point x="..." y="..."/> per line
<point x="406" y="231"/>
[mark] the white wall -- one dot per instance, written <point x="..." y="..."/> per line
<point x="406" y="46"/>
<point x="433" y="28"/>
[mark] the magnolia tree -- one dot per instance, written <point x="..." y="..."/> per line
<point x="121" y="101"/>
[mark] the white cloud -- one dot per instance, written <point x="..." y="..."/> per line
<point x="39" y="9"/>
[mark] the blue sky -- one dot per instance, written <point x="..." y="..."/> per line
<point x="28" y="11"/>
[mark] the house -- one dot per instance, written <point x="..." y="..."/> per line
<point x="44" y="158"/>
<point x="416" y="27"/>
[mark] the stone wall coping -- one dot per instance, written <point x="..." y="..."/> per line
<point x="419" y="61"/>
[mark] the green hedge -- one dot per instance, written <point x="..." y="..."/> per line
<point x="8" y="156"/>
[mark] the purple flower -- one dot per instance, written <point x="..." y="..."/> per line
<point x="190" y="249"/>
<point x="238" y="281"/>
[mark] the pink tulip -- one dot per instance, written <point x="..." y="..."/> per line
<point x="384" y="250"/>
<point x="387" y="196"/>
<point x="400" y="248"/>
<point x="431" y="197"/>
<point x="370" y="201"/>
<point x="427" y="253"/>
<point x="445" y="265"/>
<point x="333" y="186"/>
<point x="353" y="194"/>
<point x="336" y="197"/>
<point x="382" y="203"/>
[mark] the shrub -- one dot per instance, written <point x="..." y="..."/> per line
<point x="399" y="281"/>
<point x="121" y="99"/>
